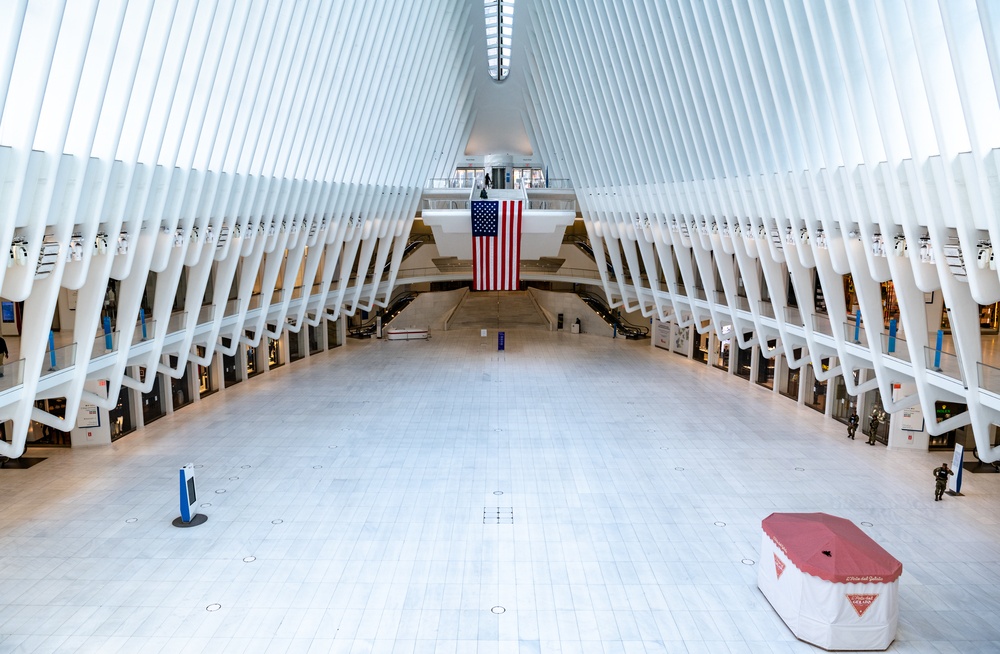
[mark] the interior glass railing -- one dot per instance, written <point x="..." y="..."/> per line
<point x="105" y="344"/>
<point x="855" y="333"/>
<point x="989" y="378"/>
<point x="942" y="362"/>
<point x="896" y="348"/>
<point x="11" y="374"/>
<point x="58" y="359"/>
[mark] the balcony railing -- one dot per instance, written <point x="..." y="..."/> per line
<point x="144" y="331"/>
<point x="552" y="205"/>
<point x="854" y="333"/>
<point x="58" y="359"/>
<point x="895" y="347"/>
<point x="11" y="375"/>
<point x="793" y="316"/>
<point x="945" y="363"/>
<point x="822" y="324"/>
<point x="766" y="309"/>
<point x="989" y="378"/>
<point x="105" y="344"/>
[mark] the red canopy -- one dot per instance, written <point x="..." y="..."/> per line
<point x="831" y="548"/>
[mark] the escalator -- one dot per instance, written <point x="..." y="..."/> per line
<point x="368" y="328"/>
<point x="410" y="248"/>
<point x="588" y="249"/>
<point x="613" y="317"/>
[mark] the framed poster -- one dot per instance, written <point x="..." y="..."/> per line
<point x="88" y="416"/>
<point x="912" y="419"/>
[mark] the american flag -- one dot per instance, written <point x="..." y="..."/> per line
<point x="496" y="245"/>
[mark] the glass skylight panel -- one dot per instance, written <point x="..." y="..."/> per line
<point x="499" y="29"/>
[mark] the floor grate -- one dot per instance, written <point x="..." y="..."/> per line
<point x="498" y="515"/>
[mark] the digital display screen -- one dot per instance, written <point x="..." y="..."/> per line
<point x="191" y="495"/>
<point x="8" y="311"/>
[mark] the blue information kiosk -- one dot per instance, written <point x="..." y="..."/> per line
<point x="189" y="496"/>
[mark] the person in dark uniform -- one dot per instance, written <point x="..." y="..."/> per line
<point x="852" y="424"/>
<point x="489" y="182"/>
<point x="873" y="428"/>
<point x="941" y="480"/>
<point x="4" y="353"/>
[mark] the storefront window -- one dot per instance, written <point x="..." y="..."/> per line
<point x="948" y="440"/>
<point x="988" y="319"/>
<point x="253" y="367"/>
<point x="121" y="415"/>
<point x="701" y="347"/>
<point x="295" y="351"/>
<point x="180" y="389"/>
<point x="152" y="402"/>
<point x="816" y="389"/>
<point x="890" y="306"/>
<point x="765" y="365"/>
<point x="791" y="386"/>
<point x="205" y="386"/>
<point x="744" y="360"/>
<point x="314" y="347"/>
<point x="875" y="415"/>
<point x="273" y="353"/>
<point x="332" y="339"/>
<point x="230" y="368"/>
<point x="40" y="434"/>
<point x="722" y="349"/>
<point x="843" y="403"/>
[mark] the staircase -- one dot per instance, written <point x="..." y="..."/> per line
<point x="498" y="310"/>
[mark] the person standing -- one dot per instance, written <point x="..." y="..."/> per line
<point x="873" y="428"/>
<point x="489" y="182"/>
<point x="852" y="424"/>
<point x="4" y="353"/>
<point x="941" y="480"/>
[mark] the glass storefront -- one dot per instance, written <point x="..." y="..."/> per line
<point x="205" y="385"/>
<point x="791" y="385"/>
<point x="314" y="346"/>
<point x="152" y="402"/>
<point x="701" y="347"/>
<point x="332" y="338"/>
<point x="43" y="435"/>
<point x="765" y="366"/>
<point x="721" y="356"/>
<point x="180" y="389"/>
<point x="947" y="440"/>
<point x="253" y="363"/>
<point x="273" y="353"/>
<point x="295" y="351"/>
<point x="816" y="389"/>
<point x="875" y="414"/>
<point x="744" y="360"/>
<point x="121" y="416"/>
<point x="230" y="368"/>
<point x="843" y="403"/>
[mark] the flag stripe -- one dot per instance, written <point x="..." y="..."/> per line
<point x="496" y="245"/>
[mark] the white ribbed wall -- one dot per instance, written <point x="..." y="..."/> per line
<point x="766" y="139"/>
<point x="230" y="135"/>
<point x="765" y="135"/>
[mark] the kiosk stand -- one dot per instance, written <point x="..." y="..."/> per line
<point x="188" y="517"/>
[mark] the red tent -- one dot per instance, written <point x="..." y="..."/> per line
<point x="831" y="548"/>
<point x="832" y="585"/>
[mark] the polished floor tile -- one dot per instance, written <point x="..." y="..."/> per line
<point x="570" y="494"/>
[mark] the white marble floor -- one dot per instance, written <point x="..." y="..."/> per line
<point x="385" y="496"/>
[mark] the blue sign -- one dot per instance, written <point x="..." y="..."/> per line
<point x="8" y="311"/>
<point x="500" y="341"/>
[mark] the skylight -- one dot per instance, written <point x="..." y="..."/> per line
<point x="499" y="28"/>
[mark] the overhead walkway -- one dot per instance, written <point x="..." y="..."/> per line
<point x="547" y="212"/>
